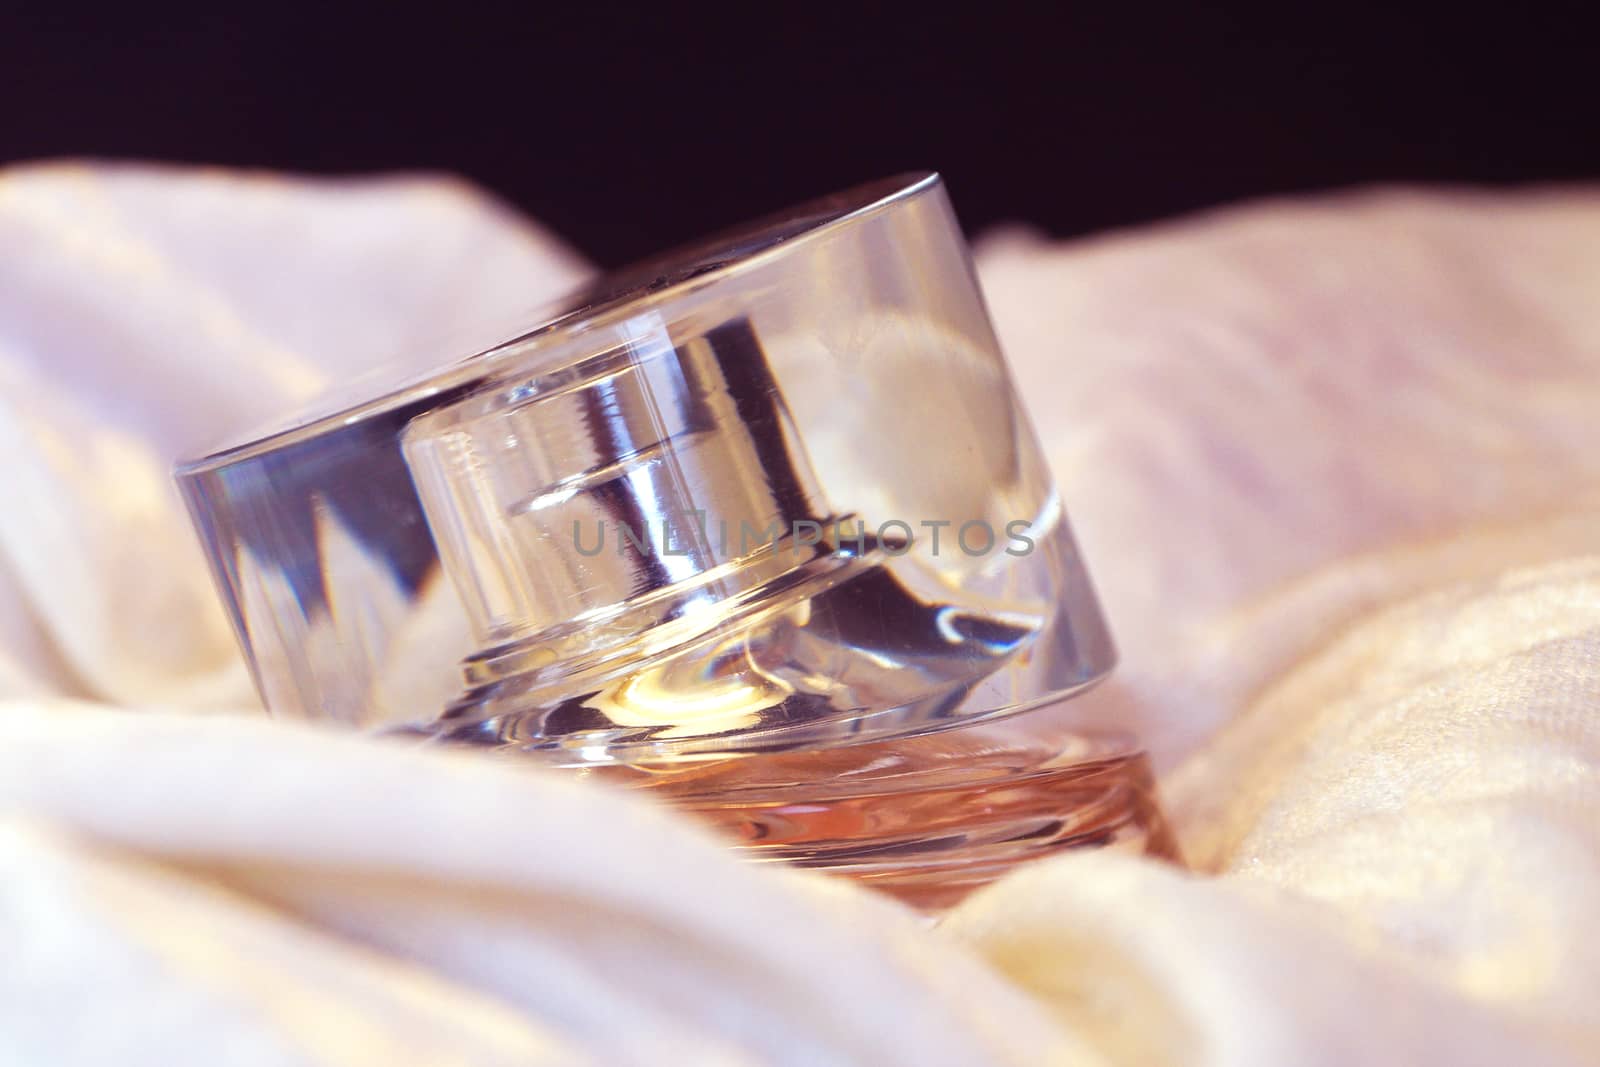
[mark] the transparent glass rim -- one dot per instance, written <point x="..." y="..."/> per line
<point x="611" y="297"/>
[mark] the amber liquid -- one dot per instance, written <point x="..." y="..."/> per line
<point x="927" y="819"/>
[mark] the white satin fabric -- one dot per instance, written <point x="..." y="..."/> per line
<point x="1336" y="468"/>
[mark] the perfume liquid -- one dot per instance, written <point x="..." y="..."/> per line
<point x="927" y="820"/>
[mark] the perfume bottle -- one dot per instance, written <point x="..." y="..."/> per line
<point x="758" y="527"/>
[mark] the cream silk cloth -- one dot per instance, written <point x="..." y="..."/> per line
<point x="1335" y="465"/>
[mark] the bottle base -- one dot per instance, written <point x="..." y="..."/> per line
<point x="929" y="819"/>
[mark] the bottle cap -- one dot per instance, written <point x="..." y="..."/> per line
<point x="772" y="491"/>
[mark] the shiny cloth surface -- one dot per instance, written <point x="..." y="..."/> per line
<point x="1335" y="465"/>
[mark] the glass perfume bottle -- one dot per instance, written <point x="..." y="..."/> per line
<point x="758" y="527"/>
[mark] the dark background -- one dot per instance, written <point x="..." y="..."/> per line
<point x="628" y="132"/>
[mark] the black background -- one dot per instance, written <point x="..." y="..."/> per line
<point x="629" y="131"/>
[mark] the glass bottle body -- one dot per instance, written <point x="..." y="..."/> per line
<point x="760" y="528"/>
